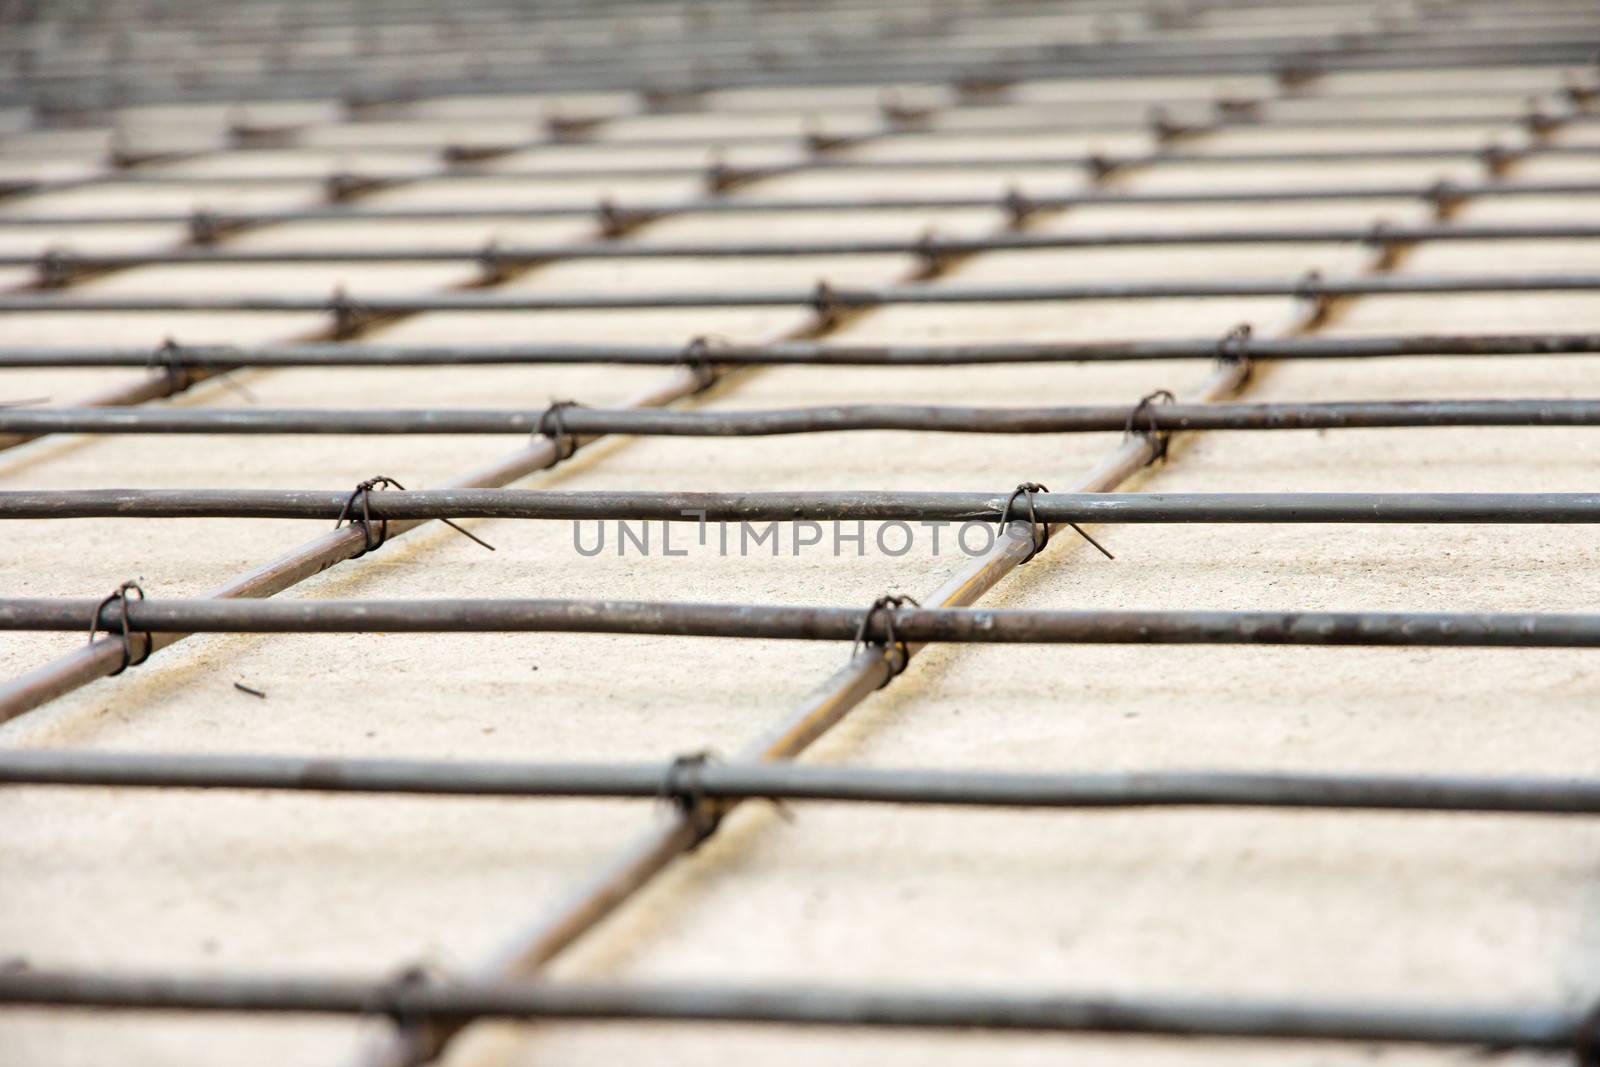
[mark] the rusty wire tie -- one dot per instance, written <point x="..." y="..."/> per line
<point x="933" y="259"/>
<point x="1164" y="128"/>
<point x="564" y="440"/>
<point x="54" y="269"/>
<point x="696" y="356"/>
<point x="1497" y="158"/>
<point x="896" y="652"/>
<point x="1100" y="167"/>
<point x="682" y="788"/>
<point x="616" y="221"/>
<point x="493" y="265"/>
<point x="1041" y="530"/>
<point x="825" y="306"/>
<point x="1309" y="289"/>
<point x="205" y="228"/>
<point x="721" y="176"/>
<point x="391" y="999"/>
<point x="1233" y="348"/>
<point x="363" y="492"/>
<point x="349" y="316"/>
<point x="1379" y="238"/>
<point x="168" y="356"/>
<point x="1018" y="208"/>
<point x="1158" y="438"/>
<point x="120" y="597"/>
<point x="1445" y="198"/>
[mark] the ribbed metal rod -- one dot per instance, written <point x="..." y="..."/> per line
<point x="63" y="262"/>
<point x="791" y="781"/>
<point x="1553" y="1029"/>
<point x="844" y="299"/>
<point x="870" y="505"/>
<point x="802" y="353"/>
<point x="746" y="205"/>
<point x="849" y="417"/>
<point x="796" y="623"/>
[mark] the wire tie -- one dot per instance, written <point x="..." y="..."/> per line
<point x="980" y="87"/>
<point x="696" y="356"/>
<point x="825" y="306"/>
<point x="616" y="222"/>
<point x="393" y="1000"/>
<point x="566" y="129"/>
<point x="1539" y="122"/>
<point x="553" y="426"/>
<point x="204" y="228"/>
<point x="1309" y="289"/>
<point x="1147" y="407"/>
<point x="1100" y="167"/>
<point x="895" y="650"/>
<point x="125" y="629"/>
<point x="1163" y="128"/>
<point x="818" y="142"/>
<point x="900" y="115"/>
<point x="1578" y="92"/>
<point x="1018" y="207"/>
<point x="934" y="260"/>
<point x="1497" y="158"/>
<point x="1444" y="197"/>
<point x="1379" y="237"/>
<point x="1296" y="73"/>
<point x="1234" y="346"/>
<point x="349" y="316"/>
<point x="1237" y="108"/>
<point x="681" y="786"/>
<point x="721" y="177"/>
<point x="494" y="265"/>
<point x="342" y="185"/>
<point x="55" y="269"/>
<point x="1041" y="530"/>
<point x="362" y="494"/>
<point x="168" y="356"/>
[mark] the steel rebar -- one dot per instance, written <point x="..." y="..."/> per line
<point x="800" y="353"/>
<point x="801" y="1006"/>
<point x="825" y="297"/>
<point x="224" y="220"/>
<point x="849" y="417"/>
<point x="869" y="505"/>
<point x="57" y="264"/>
<point x="797" y="623"/>
<point x="796" y="782"/>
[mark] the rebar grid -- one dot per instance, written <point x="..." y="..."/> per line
<point x="428" y="1015"/>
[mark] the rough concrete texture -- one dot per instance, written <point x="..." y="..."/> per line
<point x="1401" y="909"/>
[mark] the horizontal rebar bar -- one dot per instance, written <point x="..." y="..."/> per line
<point x="1094" y="162"/>
<point x="871" y="505"/>
<point x="223" y="220"/>
<point x="63" y="262"/>
<point x="825" y="298"/>
<point x="408" y="998"/>
<point x="849" y="417"/>
<point x="798" y="623"/>
<point x="790" y="781"/>
<point x="733" y="353"/>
